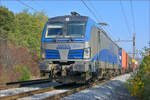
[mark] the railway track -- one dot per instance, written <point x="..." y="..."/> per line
<point x="74" y="90"/>
<point x="27" y="81"/>
<point x="22" y="83"/>
<point x="29" y="93"/>
<point x="51" y="88"/>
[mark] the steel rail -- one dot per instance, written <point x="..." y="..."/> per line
<point x="78" y="89"/>
<point x="5" y="87"/>
<point x="51" y="88"/>
<point x="27" y="81"/>
<point x="29" y="93"/>
<point x="22" y="83"/>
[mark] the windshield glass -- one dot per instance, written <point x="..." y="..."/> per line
<point x="54" y="29"/>
<point x="75" y="29"/>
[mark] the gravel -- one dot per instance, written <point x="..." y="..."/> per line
<point x="43" y="95"/>
<point x="25" y="89"/>
<point x="111" y="90"/>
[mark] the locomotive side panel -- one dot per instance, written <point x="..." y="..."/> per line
<point x="104" y="50"/>
<point x="94" y="48"/>
<point x="108" y="52"/>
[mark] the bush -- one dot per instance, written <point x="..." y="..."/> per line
<point x="25" y="74"/>
<point x="20" y="39"/>
<point x="22" y="72"/>
<point x="139" y="83"/>
<point x="135" y="86"/>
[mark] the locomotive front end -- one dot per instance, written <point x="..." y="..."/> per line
<point x="65" y="53"/>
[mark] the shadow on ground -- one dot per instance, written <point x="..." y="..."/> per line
<point x="111" y="90"/>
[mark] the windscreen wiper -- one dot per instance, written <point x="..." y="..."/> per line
<point x="57" y="36"/>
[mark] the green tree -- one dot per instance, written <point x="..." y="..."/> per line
<point x="7" y="25"/>
<point x="144" y="51"/>
<point x="144" y="74"/>
<point x="29" y="30"/>
<point x="139" y="83"/>
<point x="23" y="32"/>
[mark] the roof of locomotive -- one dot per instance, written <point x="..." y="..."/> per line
<point x="68" y="18"/>
<point x="77" y="18"/>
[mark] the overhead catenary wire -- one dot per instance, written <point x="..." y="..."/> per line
<point x="149" y="28"/>
<point x="133" y="17"/>
<point x="27" y="5"/>
<point x="133" y="22"/>
<point x="0" y="3"/>
<point x="125" y="18"/>
<point x="95" y="15"/>
<point x="98" y="14"/>
<point x="35" y="2"/>
<point x="90" y="10"/>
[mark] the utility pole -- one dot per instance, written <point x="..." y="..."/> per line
<point x="149" y="47"/>
<point x="133" y="41"/>
<point x="149" y="28"/>
<point x="0" y="3"/>
<point x="134" y="46"/>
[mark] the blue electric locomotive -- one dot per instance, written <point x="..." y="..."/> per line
<point x="75" y="49"/>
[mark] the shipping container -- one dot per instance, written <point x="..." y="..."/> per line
<point x="124" y="59"/>
<point x="127" y="61"/>
<point x="133" y="62"/>
<point x="120" y="57"/>
<point x="133" y="65"/>
<point x="130" y="63"/>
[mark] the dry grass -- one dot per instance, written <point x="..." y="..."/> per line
<point x="12" y="58"/>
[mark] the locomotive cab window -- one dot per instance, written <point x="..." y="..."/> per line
<point x="76" y="29"/>
<point x="54" y="30"/>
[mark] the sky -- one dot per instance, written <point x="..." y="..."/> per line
<point x="108" y="11"/>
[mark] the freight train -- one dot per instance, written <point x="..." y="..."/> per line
<point x="75" y="49"/>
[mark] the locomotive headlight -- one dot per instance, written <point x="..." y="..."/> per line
<point x="87" y="53"/>
<point x="43" y="55"/>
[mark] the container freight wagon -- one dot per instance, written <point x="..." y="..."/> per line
<point x="127" y="62"/>
<point x="75" y="49"/>
<point x="124" y="60"/>
<point x="130" y="64"/>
